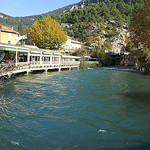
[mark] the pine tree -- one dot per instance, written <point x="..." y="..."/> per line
<point x="20" y="28"/>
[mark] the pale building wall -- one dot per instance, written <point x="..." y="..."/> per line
<point x="71" y="44"/>
<point x="75" y="45"/>
<point x="6" y="37"/>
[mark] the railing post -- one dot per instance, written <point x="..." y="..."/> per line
<point x="51" y="60"/>
<point x="16" y="56"/>
<point x="41" y="59"/>
<point x="59" y="69"/>
<point x="28" y="59"/>
<point x="59" y="61"/>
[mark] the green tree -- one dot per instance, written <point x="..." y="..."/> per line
<point x="146" y="61"/>
<point x="47" y="33"/>
<point x="103" y="58"/>
<point x="82" y="53"/>
<point x="20" y="28"/>
<point x="107" y="45"/>
<point x="98" y="52"/>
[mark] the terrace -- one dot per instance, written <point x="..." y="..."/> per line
<point x="16" y="59"/>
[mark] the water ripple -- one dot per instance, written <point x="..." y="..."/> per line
<point x="99" y="108"/>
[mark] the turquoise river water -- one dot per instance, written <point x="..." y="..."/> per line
<point x="93" y="109"/>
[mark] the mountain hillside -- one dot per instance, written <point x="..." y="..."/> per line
<point x="27" y="21"/>
<point x="89" y="21"/>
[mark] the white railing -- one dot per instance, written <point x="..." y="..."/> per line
<point x="57" y="63"/>
<point x="36" y="64"/>
<point x="70" y="63"/>
<point x="92" y="62"/>
<point x="22" y="63"/>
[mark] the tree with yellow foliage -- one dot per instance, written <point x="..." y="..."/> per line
<point x="47" y="33"/>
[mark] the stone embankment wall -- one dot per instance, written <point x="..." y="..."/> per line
<point x="132" y="60"/>
<point x="128" y="60"/>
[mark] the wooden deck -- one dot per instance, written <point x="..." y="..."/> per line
<point x="30" y="70"/>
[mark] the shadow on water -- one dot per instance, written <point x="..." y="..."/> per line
<point x="145" y="146"/>
<point x="140" y="96"/>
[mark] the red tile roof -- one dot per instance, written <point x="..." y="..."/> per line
<point x="8" y="29"/>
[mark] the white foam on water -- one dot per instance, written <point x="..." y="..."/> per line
<point x="14" y="143"/>
<point x="90" y="68"/>
<point x="101" y="130"/>
<point x="117" y="68"/>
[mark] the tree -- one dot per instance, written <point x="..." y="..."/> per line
<point x="146" y="56"/>
<point x="47" y="33"/>
<point x="103" y="58"/>
<point x="82" y="53"/>
<point x="140" y="33"/>
<point x="140" y="26"/>
<point x="20" y="28"/>
<point x="98" y="52"/>
<point x="107" y="45"/>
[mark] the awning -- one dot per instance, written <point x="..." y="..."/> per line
<point x="36" y="52"/>
<point x="13" y="49"/>
<point x="70" y="57"/>
<point x="50" y="53"/>
<point x="57" y="53"/>
<point x="7" y="49"/>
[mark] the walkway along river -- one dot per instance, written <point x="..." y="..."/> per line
<point x="93" y="109"/>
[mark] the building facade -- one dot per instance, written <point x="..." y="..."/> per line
<point x="8" y="35"/>
<point x="71" y="45"/>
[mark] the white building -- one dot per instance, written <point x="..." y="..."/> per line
<point x="71" y="45"/>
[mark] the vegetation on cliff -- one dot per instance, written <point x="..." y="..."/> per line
<point x="94" y="11"/>
<point x="99" y="20"/>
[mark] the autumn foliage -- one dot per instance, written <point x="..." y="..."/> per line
<point x="140" y="26"/>
<point x="140" y="33"/>
<point x="47" y="33"/>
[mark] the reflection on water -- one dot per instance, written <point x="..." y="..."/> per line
<point x="101" y="108"/>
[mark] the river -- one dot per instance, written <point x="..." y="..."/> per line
<point x="93" y="109"/>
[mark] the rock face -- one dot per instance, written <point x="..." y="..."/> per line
<point x="119" y="44"/>
<point x="87" y="2"/>
<point x="74" y="7"/>
<point x="78" y="6"/>
<point x="84" y="3"/>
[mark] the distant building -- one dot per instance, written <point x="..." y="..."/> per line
<point x="66" y="25"/>
<point x="8" y="35"/>
<point x="71" y="45"/>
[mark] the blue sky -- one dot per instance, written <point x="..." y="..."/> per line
<point x="18" y="8"/>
